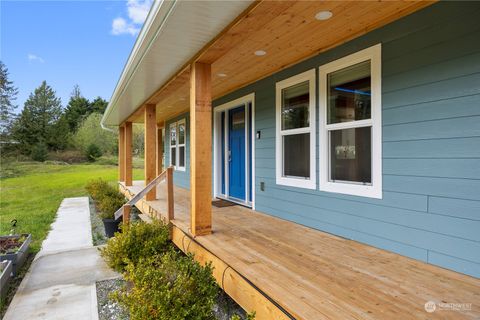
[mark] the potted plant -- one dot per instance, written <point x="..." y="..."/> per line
<point x="5" y="274"/>
<point x="108" y="205"/>
<point x="14" y="248"/>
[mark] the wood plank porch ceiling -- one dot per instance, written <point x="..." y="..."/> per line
<point x="287" y="31"/>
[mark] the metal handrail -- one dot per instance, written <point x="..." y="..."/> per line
<point x="161" y="177"/>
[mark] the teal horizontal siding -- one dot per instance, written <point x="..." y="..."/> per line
<point x="448" y="148"/>
<point x="465" y="106"/>
<point x="455" y="207"/>
<point x="430" y="209"/>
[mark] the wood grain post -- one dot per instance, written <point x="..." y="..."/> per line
<point x="200" y="149"/>
<point x="150" y="148"/>
<point x="170" y="198"/>
<point x="126" y="213"/>
<point x="159" y="151"/>
<point x="121" y="153"/>
<point x="128" y="154"/>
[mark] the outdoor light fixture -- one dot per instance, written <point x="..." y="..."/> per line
<point x="260" y="53"/>
<point x="323" y="15"/>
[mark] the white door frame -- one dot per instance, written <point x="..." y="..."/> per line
<point x="217" y="147"/>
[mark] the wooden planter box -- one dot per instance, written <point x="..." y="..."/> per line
<point x="5" y="276"/>
<point x="17" y="258"/>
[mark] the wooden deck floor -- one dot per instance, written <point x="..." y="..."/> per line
<point x="315" y="275"/>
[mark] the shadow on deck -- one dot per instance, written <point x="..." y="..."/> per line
<point x="284" y="270"/>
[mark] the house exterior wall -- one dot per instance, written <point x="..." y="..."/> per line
<point x="180" y="178"/>
<point x="430" y="208"/>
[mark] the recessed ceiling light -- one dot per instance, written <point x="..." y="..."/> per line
<point x="182" y="99"/>
<point x="222" y="75"/>
<point x="323" y="15"/>
<point x="260" y="53"/>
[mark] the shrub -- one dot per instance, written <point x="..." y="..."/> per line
<point x="137" y="240"/>
<point x="169" y="287"/>
<point x="109" y="204"/>
<point x="97" y="188"/>
<point x="39" y="152"/>
<point x="93" y="152"/>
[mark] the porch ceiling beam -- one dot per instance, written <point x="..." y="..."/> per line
<point x="150" y="147"/>
<point x="200" y="149"/>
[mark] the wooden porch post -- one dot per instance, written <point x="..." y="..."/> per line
<point x="200" y="149"/>
<point x="121" y="153"/>
<point x="128" y="154"/>
<point x="159" y="150"/>
<point x="150" y="148"/>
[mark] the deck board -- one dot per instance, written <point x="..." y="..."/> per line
<point x="316" y="275"/>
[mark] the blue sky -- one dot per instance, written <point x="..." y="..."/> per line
<point x="67" y="43"/>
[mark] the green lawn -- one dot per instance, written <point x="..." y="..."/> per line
<point x="34" y="191"/>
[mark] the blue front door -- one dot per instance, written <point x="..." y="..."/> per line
<point x="236" y="153"/>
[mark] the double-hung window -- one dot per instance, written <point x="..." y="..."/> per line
<point x="295" y="128"/>
<point x="177" y="145"/>
<point x="350" y="124"/>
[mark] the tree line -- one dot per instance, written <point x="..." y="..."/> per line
<point x="44" y="128"/>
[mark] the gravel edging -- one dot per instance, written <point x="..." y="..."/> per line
<point x="107" y="308"/>
<point x="98" y="230"/>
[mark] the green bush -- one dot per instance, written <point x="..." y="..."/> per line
<point x="97" y="188"/>
<point x="107" y="198"/>
<point x="109" y="204"/>
<point x="169" y="287"/>
<point x="93" y="152"/>
<point x="39" y="152"/>
<point x="136" y="241"/>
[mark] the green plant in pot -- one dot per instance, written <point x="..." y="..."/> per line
<point x="108" y="200"/>
<point x="108" y="205"/>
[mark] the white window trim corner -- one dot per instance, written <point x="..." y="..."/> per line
<point x="375" y="189"/>
<point x="291" y="181"/>
<point x="177" y="166"/>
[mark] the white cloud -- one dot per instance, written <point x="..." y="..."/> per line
<point x="138" y="10"/>
<point x="137" y="13"/>
<point x="34" y="57"/>
<point x="121" y="26"/>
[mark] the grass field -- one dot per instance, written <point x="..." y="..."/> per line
<point x="31" y="193"/>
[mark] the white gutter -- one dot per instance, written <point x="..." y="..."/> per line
<point x="129" y="69"/>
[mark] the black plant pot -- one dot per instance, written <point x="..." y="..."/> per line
<point x="111" y="226"/>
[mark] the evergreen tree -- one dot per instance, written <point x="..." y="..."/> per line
<point x="38" y="121"/>
<point x="98" y="105"/>
<point x="77" y="110"/>
<point x="8" y="94"/>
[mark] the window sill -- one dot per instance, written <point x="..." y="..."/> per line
<point x="298" y="183"/>
<point x="352" y="189"/>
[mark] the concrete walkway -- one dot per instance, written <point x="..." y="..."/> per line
<point x="61" y="281"/>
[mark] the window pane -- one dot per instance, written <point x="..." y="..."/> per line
<point x="181" y="156"/>
<point x="295" y="106"/>
<point x="296" y="155"/>
<point x="173" y="135"/>
<point x="350" y="155"/>
<point x="173" y="156"/>
<point x="349" y="93"/>
<point x="181" y="133"/>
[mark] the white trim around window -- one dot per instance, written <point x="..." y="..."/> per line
<point x="372" y="189"/>
<point x="309" y="182"/>
<point x="174" y="137"/>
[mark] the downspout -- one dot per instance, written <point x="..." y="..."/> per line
<point x="106" y="128"/>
